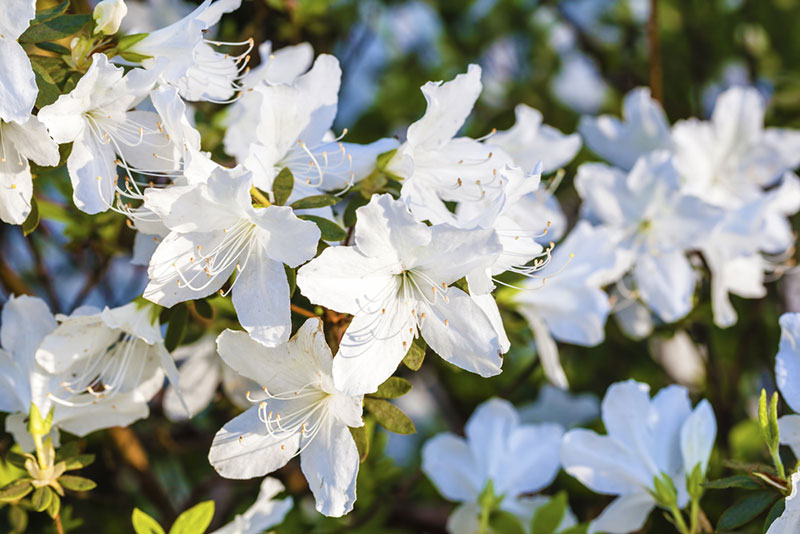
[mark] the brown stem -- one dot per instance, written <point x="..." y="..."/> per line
<point x="59" y="526"/>
<point x="302" y="311"/>
<point x="654" y="45"/>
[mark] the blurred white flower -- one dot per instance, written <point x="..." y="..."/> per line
<point x="680" y="357"/>
<point x="517" y="458"/>
<point x="201" y="373"/>
<point x="555" y="405"/>
<point x="214" y="232"/>
<point x="18" y="88"/>
<point x="299" y="412"/>
<point x="658" y="224"/>
<point x="396" y="281"/>
<point x="645" y="440"/>
<point x="787" y="375"/>
<point x="264" y="514"/>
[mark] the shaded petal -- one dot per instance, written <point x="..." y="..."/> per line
<point x="17" y="82"/>
<point x="625" y="514"/>
<point x="261" y="299"/>
<point x="330" y="464"/>
<point x="448" y="461"/>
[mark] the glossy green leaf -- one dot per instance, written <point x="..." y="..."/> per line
<point x="76" y="483"/>
<point x="549" y="516"/>
<point x="176" y="328"/>
<point x="315" y="201"/>
<point x="389" y="416"/>
<point x="329" y="230"/>
<point x="746" y="509"/>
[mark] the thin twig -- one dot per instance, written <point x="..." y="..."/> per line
<point x="302" y="311"/>
<point x="654" y="45"/>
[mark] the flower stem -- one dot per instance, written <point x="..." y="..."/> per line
<point x="694" y="516"/>
<point x="680" y="522"/>
<point x="483" y="527"/>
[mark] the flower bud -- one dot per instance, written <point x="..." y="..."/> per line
<point x="108" y="15"/>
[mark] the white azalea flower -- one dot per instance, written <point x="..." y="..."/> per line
<point x="214" y="232"/>
<point x="789" y="520"/>
<point x="396" y="281"/>
<point x="437" y="166"/>
<point x="729" y="160"/>
<point x="645" y="439"/>
<point x="733" y="251"/>
<point x="555" y="405"/>
<point x="40" y="366"/>
<point x="644" y="128"/>
<point x="658" y="222"/>
<point x="264" y="514"/>
<point x="530" y="141"/>
<point x="18" y="89"/>
<point x="565" y="300"/>
<point x="293" y="131"/>
<point x="281" y="66"/>
<point x="682" y="359"/>
<point x="201" y="373"/>
<point x="181" y="56"/>
<point x="787" y="373"/>
<point x="20" y="142"/>
<point x="517" y="458"/>
<point x="108" y="15"/>
<point x="98" y="118"/>
<point x="300" y="412"/>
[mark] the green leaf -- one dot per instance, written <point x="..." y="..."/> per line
<point x="18" y="517"/>
<point x="389" y="416"/>
<point x="129" y="40"/>
<point x="16" y="490"/>
<point x="416" y="354"/>
<point x="32" y="221"/>
<point x="176" y="329"/>
<point x="502" y="522"/>
<point x="315" y="201"/>
<point x="203" y="309"/>
<point x="330" y="230"/>
<point x="55" y="28"/>
<point x="393" y="387"/>
<point x="349" y="215"/>
<point x="79" y="462"/>
<point x="745" y="510"/>
<point x="548" y="517"/>
<point x="282" y="186"/>
<point x="195" y="520"/>
<point x="774" y="512"/>
<point x="55" y="506"/>
<point x="144" y="524"/>
<point x="49" y="14"/>
<point x="76" y="483"/>
<point x="41" y="498"/>
<point x="54" y="48"/>
<point x="16" y="459"/>
<point x="361" y="437"/>
<point x="735" y="481"/>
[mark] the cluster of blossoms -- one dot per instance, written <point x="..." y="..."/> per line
<point x="454" y="223"/>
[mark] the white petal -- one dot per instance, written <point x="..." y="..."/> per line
<point x="26" y="322"/>
<point x="261" y="299"/>
<point x="453" y="253"/>
<point x="17" y="82"/>
<point x="330" y="464"/>
<point x="386" y="229"/>
<point x="17" y="15"/>
<point x="532" y="460"/>
<point x="697" y="437"/>
<point x="488" y="431"/>
<point x="789" y="430"/>
<point x="456" y="329"/>
<point x="93" y="173"/>
<point x="449" y="105"/>
<point x="199" y="379"/>
<point x="265" y="513"/>
<point x="448" y="461"/>
<point x="244" y="449"/>
<point x="666" y="283"/>
<point x="32" y="140"/>
<point x="787" y="361"/>
<point x="16" y="190"/>
<point x="789" y="520"/>
<point x="251" y="359"/>
<point x="286" y="238"/>
<point x="625" y="514"/>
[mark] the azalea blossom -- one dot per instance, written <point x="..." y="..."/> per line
<point x="264" y="514"/>
<point x="397" y="283"/>
<point x="79" y="368"/>
<point x="99" y="119"/>
<point x="18" y="89"/>
<point x="645" y="440"/>
<point x="789" y="521"/>
<point x="730" y="159"/>
<point x="530" y="142"/>
<point x="555" y="405"/>
<point x="201" y="373"/>
<point x="658" y="224"/>
<point x="215" y="231"/>
<point x="20" y="142"/>
<point x="518" y="459"/>
<point x="435" y="165"/>
<point x="565" y="301"/>
<point x="293" y="132"/>
<point x="298" y="411"/>
<point x="181" y="56"/>
<point x="644" y="128"/>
